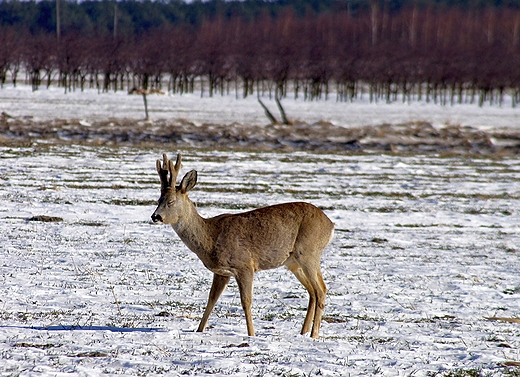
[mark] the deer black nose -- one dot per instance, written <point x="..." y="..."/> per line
<point x="156" y="218"/>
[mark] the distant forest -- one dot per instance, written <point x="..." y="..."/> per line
<point x="448" y="51"/>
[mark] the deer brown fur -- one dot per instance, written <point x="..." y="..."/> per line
<point x="238" y="245"/>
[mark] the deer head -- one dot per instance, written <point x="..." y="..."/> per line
<point x="172" y="203"/>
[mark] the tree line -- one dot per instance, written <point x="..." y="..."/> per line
<point x="417" y="51"/>
<point x="130" y="17"/>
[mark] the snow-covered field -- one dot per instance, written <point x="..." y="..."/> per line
<point x="53" y="103"/>
<point x="426" y="248"/>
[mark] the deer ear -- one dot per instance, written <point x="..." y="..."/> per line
<point x="188" y="182"/>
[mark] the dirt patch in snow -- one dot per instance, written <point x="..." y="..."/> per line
<point x="417" y="137"/>
<point x="45" y="219"/>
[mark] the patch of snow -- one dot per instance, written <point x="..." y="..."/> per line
<point x="52" y="103"/>
<point x="425" y="248"/>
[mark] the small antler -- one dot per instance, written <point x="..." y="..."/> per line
<point x="168" y="167"/>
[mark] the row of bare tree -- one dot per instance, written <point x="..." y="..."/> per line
<point x="446" y="55"/>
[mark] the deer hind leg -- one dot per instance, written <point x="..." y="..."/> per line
<point x="311" y="308"/>
<point x="310" y="276"/>
<point x="217" y="287"/>
<point x="321" y="292"/>
<point x="245" y="287"/>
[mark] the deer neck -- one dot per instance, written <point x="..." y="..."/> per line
<point x="194" y="230"/>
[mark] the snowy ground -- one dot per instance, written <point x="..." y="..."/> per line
<point x="53" y="103"/>
<point x="426" y="248"/>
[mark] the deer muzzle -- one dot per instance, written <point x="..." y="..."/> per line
<point x="157" y="218"/>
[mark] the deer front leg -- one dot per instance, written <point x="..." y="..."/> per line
<point x="217" y="287"/>
<point x="245" y="287"/>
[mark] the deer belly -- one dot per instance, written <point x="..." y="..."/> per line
<point x="223" y="271"/>
<point x="229" y="263"/>
<point x="271" y="258"/>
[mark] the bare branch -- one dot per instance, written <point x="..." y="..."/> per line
<point x="269" y="115"/>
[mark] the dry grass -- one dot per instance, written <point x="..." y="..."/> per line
<point x="414" y="137"/>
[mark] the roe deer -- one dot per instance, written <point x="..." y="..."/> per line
<point x="238" y="245"/>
